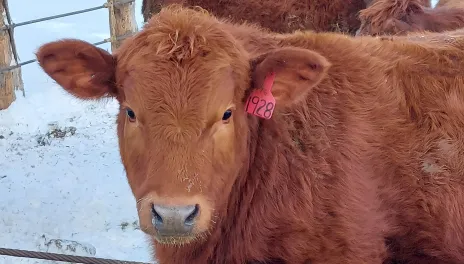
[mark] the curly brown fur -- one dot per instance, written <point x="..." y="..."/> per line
<point x="399" y="17"/>
<point x="426" y="3"/>
<point x="277" y="15"/>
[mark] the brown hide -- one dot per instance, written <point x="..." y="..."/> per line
<point x="361" y="161"/>
<point x="277" y="15"/>
<point x="387" y="17"/>
<point x="426" y="3"/>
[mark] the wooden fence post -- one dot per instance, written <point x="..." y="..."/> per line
<point x="122" y="21"/>
<point x="7" y="79"/>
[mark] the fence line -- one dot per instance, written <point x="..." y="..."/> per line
<point x="11" y="26"/>
<point x="14" y="25"/>
<point x="15" y="83"/>
<point x="61" y="257"/>
<point x="18" y="65"/>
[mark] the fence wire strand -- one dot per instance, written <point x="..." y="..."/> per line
<point x="18" y="65"/>
<point x="62" y="257"/>
<point x="15" y="25"/>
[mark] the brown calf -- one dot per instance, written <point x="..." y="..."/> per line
<point x="277" y="15"/>
<point x="387" y="17"/>
<point x="360" y="160"/>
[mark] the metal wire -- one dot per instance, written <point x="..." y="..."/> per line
<point x="34" y="60"/>
<point x="61" y="257"/>
<point x="15" y="25"/>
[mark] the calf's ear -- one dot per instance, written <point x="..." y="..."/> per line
<point x="296" y="72"/>
<point x="82" y="69"/>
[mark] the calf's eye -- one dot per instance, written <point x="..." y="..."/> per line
<point x="227" y="115"/>
<point x="130" y="114"/>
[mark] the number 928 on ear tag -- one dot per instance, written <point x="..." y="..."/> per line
<point x="261" y="102"/>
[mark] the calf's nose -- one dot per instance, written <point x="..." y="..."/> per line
<point x="174" y="220"/>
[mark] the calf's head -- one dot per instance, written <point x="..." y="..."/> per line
<point x="183" y="132"/>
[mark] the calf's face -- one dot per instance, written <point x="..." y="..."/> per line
<point x="182" y="128"/>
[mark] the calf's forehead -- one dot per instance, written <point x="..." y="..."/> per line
<point x="193" y="91"/>
<point x="181" y="63"/>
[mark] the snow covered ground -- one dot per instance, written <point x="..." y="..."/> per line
<point x="63" y="191"/>
<point x="67" y="185"/>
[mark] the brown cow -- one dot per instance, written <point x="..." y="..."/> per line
<point x="387" y="17"/>
<point x="360" y="160"/>
<point x="277" y="15"/>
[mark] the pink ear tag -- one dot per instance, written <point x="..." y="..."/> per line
<point x="261" y="102"/>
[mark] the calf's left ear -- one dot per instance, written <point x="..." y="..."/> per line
<point x="296" y="70"/>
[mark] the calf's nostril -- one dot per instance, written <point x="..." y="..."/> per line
<point x="157" y="217"/>
<point x="191" y="217"/>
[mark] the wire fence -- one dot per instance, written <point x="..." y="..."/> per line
<point x="62" y="257"/>
<point x="10" y="27"/>
<point x="20" y="64"/>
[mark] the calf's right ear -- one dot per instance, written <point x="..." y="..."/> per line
<point x="82" y="69"/>
<point x="296" y="70"/>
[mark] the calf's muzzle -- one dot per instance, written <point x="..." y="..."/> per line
<point x="175" y="221"/>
